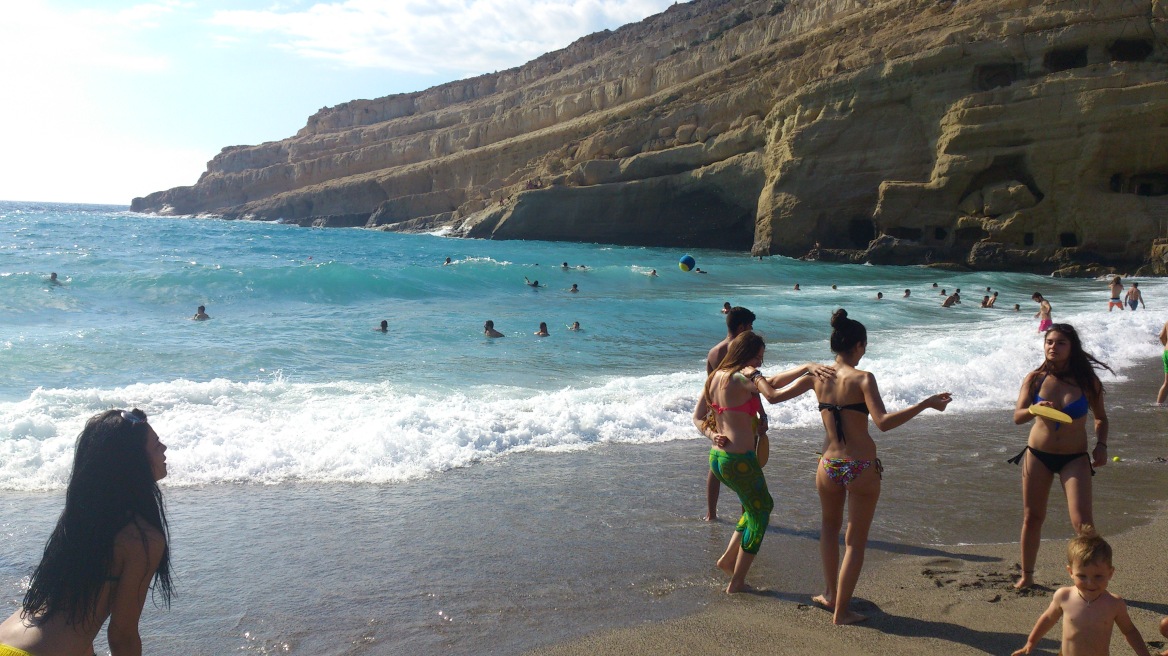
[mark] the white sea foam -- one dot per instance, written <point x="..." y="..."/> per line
<point x="275" y="431"/>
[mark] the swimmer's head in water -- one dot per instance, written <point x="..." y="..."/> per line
<point x="384" y="324"/>
<point x="846" y="334"/>
<point x="202" y="309"/>
<point x="489" y="325"/>
<point x="907" y="292"/>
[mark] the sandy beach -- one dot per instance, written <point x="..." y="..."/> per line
<point x="952" y="600"/>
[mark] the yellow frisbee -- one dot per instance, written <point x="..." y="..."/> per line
<point x="1050" y="413"/>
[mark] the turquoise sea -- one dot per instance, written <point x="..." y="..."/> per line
<point x="334" y="489"/>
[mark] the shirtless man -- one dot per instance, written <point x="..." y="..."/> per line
<point x="950" y="300"/>
<point x="1134" y="297"/>
<point x="1043" y="314"/>
<point x="201" y="315"/>
<point x="1116" y="294"/>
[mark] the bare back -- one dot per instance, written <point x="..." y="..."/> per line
<point x="847" y="388"/>
<point x="138" y="549"/>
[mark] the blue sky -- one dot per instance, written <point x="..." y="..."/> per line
<point x="104" y="104"/>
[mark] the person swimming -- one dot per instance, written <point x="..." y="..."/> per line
<point x="489" y="329"/>
<point x="201" y="314"/>
<point x="384" y="327"/>
<point x="543" y="331"/>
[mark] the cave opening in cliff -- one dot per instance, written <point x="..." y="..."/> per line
<point x="1005" y="168"/>
<point x="940" y="233"/>
<point x="1130" y="50"/>
<point x="1068" y="239"/>
<point x="1141" y="184"/>
<point x="1028" y="239"/>
<point x="993" y="76"/>
<point x="861" y="232"/>
<point x="965" y="238"/>
<point x="1064" y="59"/>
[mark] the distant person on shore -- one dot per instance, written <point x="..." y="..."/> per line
<point x="907" y="293"/>
<point x="575" y="326"/>
<point x="575" y="289"/>
<point x="1043" y="314"/>
<point x="950" y="300"/>
<point x="1163" y="393"/>
<point x="201" y="314"/>
<point x="993" y="299"/>
<point x="489" y="329"/>
<point x="726" y="307"/>
<point x="384" y="326"/>
<point x="1116" y="293"/>
<point x="530" y="283"/>
<point x="543" y="331"/>
<point x="1065" y="381"/>
<point x="109" y="548"/>
<point x="1087" y="609"/>
<point x="849" y="472"/>
<point x="1134" y="297"/>
<point x="53" y="279"/>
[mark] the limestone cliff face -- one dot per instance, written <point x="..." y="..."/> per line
<point x="1026" y="134"/>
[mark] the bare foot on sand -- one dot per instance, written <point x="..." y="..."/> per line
<point x="848" y="617"/>
<point x="726" y="565"/>
<point x="821" y="600"/>
<point x="1026" y="581"/>
<point x="732" y="589"/>
<point x="710" y="517"/>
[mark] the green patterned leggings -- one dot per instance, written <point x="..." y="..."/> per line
<point x="741" y="472"/>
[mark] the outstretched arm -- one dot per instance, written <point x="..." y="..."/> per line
<point x="885" y="420"/>
<point x="764" y="387"/>
<point x="1045" y="623"/>
<point x="823" y="372"/>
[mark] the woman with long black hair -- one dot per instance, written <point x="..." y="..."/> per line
<point x="109" y="544"/>
<point x="1065" y="381"/>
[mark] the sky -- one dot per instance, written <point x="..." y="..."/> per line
<point x="103" y="102"/>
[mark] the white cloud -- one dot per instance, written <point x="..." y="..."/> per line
<point x="456" y="37"/>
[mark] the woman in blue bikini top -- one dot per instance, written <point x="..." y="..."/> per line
<point x="1066" y="381"/>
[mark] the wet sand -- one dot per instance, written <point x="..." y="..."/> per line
<point x="952" y="600"/>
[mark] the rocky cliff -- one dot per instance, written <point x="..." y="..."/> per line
<point x="1017" y="134"/>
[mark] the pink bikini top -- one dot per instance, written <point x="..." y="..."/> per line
<point x="752" y="407"/>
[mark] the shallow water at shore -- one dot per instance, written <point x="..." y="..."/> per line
<point x="335" y="490"/>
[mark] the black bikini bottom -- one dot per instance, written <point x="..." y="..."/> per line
<point x="1053" y="461"/>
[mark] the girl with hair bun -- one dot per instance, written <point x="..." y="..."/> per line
<point x="109" y="544"/>
<point x="849" y="471"/>
<point x="1066" y="381"/>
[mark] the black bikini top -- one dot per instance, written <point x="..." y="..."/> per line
<point x="835" y="412"/>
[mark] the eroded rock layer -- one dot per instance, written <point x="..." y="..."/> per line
<point x="1007" y="134"/>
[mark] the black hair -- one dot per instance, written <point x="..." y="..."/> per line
<point x="846" y="333"/>
<point x="1081" y="365"/>
<point x="112" y="486"/>
<point x="738" y="318"/>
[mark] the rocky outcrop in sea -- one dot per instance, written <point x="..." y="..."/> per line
<point x="992" y="134"/>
